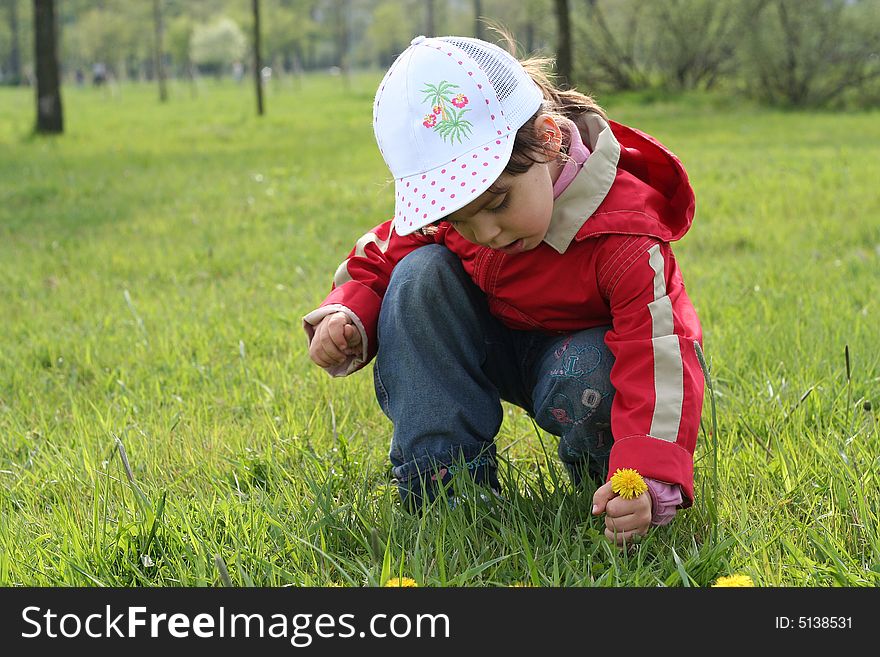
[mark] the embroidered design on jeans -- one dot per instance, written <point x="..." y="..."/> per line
<point x="591" y="398"/>
<point x="562" y="348"/>
<point x="451" y="123"/>
<point x="453" y="469"/>
<point x="565" y="412"/>
<point x="577" y="363"/>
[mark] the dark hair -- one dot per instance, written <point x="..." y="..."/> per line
<point x="529" y="146"/>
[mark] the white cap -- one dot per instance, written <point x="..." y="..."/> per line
<point x="445" y="118"/>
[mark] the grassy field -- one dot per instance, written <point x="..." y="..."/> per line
<point x="155" y="262"/>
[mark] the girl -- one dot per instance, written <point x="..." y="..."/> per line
<point x="528" y="260"/>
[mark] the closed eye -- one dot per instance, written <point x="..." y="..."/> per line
<point x="501" y="206"/>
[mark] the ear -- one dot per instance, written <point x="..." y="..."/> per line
<point x="549" y="131"/>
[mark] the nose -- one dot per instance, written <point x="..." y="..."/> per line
<point x="485" y="233"/>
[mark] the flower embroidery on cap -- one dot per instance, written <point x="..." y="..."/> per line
<point x="452" y="124"/>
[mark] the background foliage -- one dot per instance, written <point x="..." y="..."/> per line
<point x="787" y="52"/>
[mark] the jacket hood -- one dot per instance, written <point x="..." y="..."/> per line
<point x="630" y="184"/>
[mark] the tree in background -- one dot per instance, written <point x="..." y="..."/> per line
<point x="430" y="24"/>
<point x="792" y="52"/>
<point x="811" y="52"/>
<point x="342" y="36"/>
<point x="99" y="37"/>
<point x="695" y="40"/>
<point x="180" y="32"/>
<point x="160" y="50"/>
<point x="530" y="22"/>
<point x="258" y="63"/>
<point x="12" y="69"/>
<point x="49" y="113"/>
<point x="288" y="27"/>
<point x="5" y="51"/>
<point x="478" y="22"/>
<point x="563" y="43"/>
<point x="611" y="37"/>
<point x="389" y="33"/>
<point x="215" y="46"/>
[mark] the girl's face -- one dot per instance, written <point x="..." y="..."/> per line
<point x="516" y="219"/>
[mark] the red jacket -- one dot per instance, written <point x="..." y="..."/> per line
<point x="606" y="260"/>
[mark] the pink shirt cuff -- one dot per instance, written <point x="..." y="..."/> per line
<point x="665" y="499"/>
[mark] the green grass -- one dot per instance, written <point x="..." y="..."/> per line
<point x="155" y="262"/>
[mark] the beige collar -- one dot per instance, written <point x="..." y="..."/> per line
<point x="588" y="189"/>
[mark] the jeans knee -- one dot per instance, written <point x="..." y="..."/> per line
<point x="418" y="273"/>
<point x="431" y="286"/>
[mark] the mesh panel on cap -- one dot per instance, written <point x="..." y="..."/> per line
<point x="499" y="72"/>
<point x="518" y="95"/>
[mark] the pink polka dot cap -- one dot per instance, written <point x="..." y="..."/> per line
<point x="445" y="117"/>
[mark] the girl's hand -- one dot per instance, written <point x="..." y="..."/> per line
<point x="623" y="518"/>
<point x="336" y="338"/>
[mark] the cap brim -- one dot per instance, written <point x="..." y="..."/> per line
<point x="425" y="197"/>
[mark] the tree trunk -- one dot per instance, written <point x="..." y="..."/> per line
<point x="343" y="12"/>
<point x="430" y="29"/>
<point x="160" y="48"/>
<point x="478" y="14"/>
<point x="14" y="48"/>
<point x="563" y="49"/>
<point x="258" y="64"/>
<point x="49" y="113"/>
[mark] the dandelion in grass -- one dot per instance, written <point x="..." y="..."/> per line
<point x="401" y="582"/>
<point x="628" y="483"/>
<point x="734" y="580"/>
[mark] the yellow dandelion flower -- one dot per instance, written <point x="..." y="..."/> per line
<point x="401" y="582"/>
<point x="628" y="483"/>
<point x="734" y="580"/>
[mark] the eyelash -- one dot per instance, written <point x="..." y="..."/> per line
<point x="498" y="208"/>
<point x="502" y="205"/>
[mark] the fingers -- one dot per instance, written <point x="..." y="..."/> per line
<point x="629" y="513"/>
<point x="624" y="519"/>
<point x="352" y="336"/>
<point x="328" y="346"/>
<point x="618" y="506"/>
<point x="628" y="523"/>
<point x="601" y="498"/>
<point x="324" y="353"/>
<point x="621" y="538"/>
<point x="336" y="329"/>
<point x="627" y="518"/>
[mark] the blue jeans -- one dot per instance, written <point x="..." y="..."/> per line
<point x="445" y="363"/>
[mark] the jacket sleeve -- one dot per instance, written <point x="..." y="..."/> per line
<point x="359" y="285"/>
<point x="655" y="416"/>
